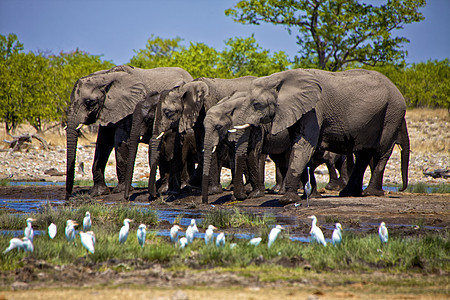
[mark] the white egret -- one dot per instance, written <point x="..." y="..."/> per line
<point x="308" y="187"/>
<point x="182" y="242"/>
<point x="174" y="233"/>
<point x="383" y="233"/>
<point x="255" y="241"/>
<point x="232" y="245"/>
<point x="87" y="223"/>
<point x="220" y="240"/>
<point x="194" y="225"/>
<point x="87" y="240"/>
<point x="141" y="234"/>
<point x="70" y="230"/>
<point x="274" y="234"/>
<point x="209" y="234"/>
<point x="92" y="235"/>
<point x="52" y="231"/>
<point x="24" y="244"/>
<point x="336" y="237"/>
<point x="28" y="231"/>
<point x="123" y="234"/>
<point x="316" y="232"/>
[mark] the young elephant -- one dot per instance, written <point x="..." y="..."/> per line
<point x="172" y="157"/>
<point x="185" y="108"/>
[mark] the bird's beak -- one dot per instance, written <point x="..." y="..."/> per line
<point x="214" y="227"/>
<point x="281" y="227"/>
<point x="75" y="223"/>
<point x="33" y="220"/>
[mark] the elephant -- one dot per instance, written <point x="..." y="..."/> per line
<point x="185" y="108"/>
<point x="218" y="124"/>
<point x="142" y="128"/>
<point x="108" y="98"/>
<point x="356" y="111"/>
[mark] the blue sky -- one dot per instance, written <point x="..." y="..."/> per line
<point x="114" y="28"/>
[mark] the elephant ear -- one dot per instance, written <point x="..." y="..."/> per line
<point x="122" y="92"/>
<point x="193" y="96"/>
<point x="297" y="92"/>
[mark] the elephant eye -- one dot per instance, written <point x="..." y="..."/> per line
<point x="218" y="127"/>
<point x="90" y="103"/>
<point x="258" y="106"/>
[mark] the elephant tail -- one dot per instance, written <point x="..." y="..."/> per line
<point x="403" y="142"/>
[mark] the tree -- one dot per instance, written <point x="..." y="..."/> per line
<point x="333" y="33"/>
<point x="158" y="52"/>
<point x="244" y="56"/>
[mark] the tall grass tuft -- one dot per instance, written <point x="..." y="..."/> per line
<point x="225" y="218"/>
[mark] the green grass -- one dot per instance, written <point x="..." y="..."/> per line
<point x="4" y="182"/>
<point x="224" y="218"/>
<point x="423" y="188"/>
<point x="421" y="255"/>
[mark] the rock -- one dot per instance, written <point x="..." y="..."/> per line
<point x="179" y="295"/>
<point x="54" y="172"/>
<point x="19" y="285"/>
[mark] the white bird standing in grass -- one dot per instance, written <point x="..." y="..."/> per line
<point x="190" y="231"/>
<point x="70" y="230"/>
<point x="316" y="232"/>
<point x="28" y="232"/>
<point x="88" y="241"/>
<point x="336" y="237"/>
<point x="16" y="243"/>
<point x="209" y="234"/>
<point x="52" y="231"/>
<point x="308" y="187"/>
<point x="255" y="241"/>
<point x="182" y="242"/>
<point x="220" y="240"/>
<point x="141" y="234"/>
<point x="274" y="234"/>
<point x="174" y="233"/>
<point x="87" y="223"/>
<point x="123" y="234"/>
<point x="383" y="233"/>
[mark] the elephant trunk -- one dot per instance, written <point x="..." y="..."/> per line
<point x="72" y="139"/>
<point x="240" y="161"/>
<point x="133" y="142"/>
<point x="153" y="155"/>
<point x="403" y="140"/>
<point x="208" y="146"/>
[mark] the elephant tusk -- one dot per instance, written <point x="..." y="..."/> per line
<point x="214" y="149"/>
<point x="79" y="127"/>
<point x="160" y="135"/>
<point x="65" y="127"/>
<point x="242" y="126"/>
<point x="232" y="130"/>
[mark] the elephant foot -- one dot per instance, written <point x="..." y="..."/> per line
<point x="288" y="198"/>
<point x="98" y="190"/>
<point x="238" y="196"/>
<point x="373" y="192"/>
<point x="256" y="193"/>
<point x="332" y="186"/>
<point x="120" y="188"/>
<point x="248" y="188"/>
<point x="348" y="192"/>
<point x="163" y="188"/>
<point x="215" y="189"/>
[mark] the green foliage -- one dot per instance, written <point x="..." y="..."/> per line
<point x="424" y="84"/>
<point x="333" y="33"/>
<point x="241" y="57"/>
<point x="35" y="88"/>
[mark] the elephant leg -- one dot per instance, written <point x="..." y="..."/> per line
<point x="375" y="187"/>
<point x="355" y="182"/>
<point x="214" y="183"/>
<point x="103" y="148"/>
<point x="255" y="166"/>
<point x="121" y="151"/>
<point x="305" y="135"/>
<point x="333" y="183"/>
<point x="162" y="184"/>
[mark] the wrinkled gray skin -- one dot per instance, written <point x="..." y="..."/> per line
<point x="185" y="108"/>
<point x="171" y="158"/>
<point x="356" y="111"/>
<point x="108" y="98"/>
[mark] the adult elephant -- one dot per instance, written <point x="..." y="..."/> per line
<point x="356" y="111"/>
<point x="108" y="98"/>
<point x="185" y="108"/>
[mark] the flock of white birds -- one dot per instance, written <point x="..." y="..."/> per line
<point x="87" y="237"/>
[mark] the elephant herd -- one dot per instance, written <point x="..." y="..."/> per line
<point x="300" y="118"/>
